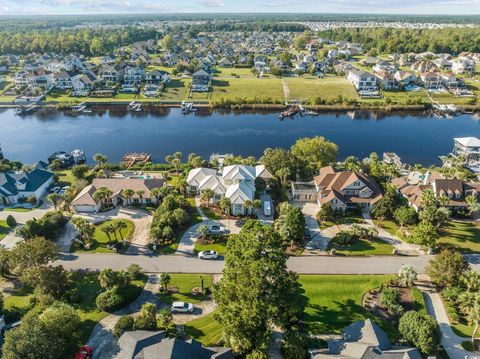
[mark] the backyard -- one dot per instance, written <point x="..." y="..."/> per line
<point x="248" y="88"/>
<point x="206" y="330"/>
<point x="328" y="88"/>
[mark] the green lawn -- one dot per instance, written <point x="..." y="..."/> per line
<point x="65" y="177"/>
<point x="390" y="227"/>
<point x="464" y="236"/>
<point x="328" y="88"/>
<point x="248" y="88"/>
<point x="206" y="330"/>
<point x="101" y="240"/>
<point x="211" y="214"/>
<point x="349" y="219"/>
<point x="335" y="301"/>
<point x="220" y="247"/>
<point x="176" y="90"/>
<point x="419" y="301"/>
<point x="404" y="97"/>
<point x="364" y="248"/>
<point x="17" y="304"/>
<point x="185" y="283"/>
<point x="227" y="72"/>
<point x="4" y="229"/>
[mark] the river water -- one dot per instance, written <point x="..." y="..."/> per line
<point x="417" y="138"/>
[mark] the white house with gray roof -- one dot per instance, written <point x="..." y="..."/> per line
<point x="235" y="182"/>
<point x="362" y="80"/>
<point x="17" y="185"/>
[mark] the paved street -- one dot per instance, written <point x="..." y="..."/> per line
<point x="302" y="265"/>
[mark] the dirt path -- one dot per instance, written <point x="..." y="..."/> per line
<point x="286" y="90"/>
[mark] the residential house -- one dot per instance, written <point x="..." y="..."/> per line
<point x="235" y="182"/>
<point x="63" y="79"/>
<point x="86" y="202"/>
<point x="362" y="80"/>
<point x="386" y="80"/>
<point x="431" y="80"/>
<point x="21" y="78"/>
<point x="39" y="78"/>
<point x="424" y="66"/>
<point x="18" y="185"/>
<point x="201" y="81"/>
<point x="142" y="344"/>
<point x="112" y="73"/>
<point x="157" y="77"/>
<point x="461" y="66"/>
<point x="83" y="83"/>
<point x="406" y="78"/>
<point x="448" y="79"/>
<point x="455" y="190"/>
<point x="467" y="147"/>
<point x="341" y="190"/>
<point x="133" y="75"/>
<point x="225" y="62"/>
<point x="362" y="340"/>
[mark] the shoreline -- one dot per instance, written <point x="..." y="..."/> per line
<point x="259" y="106"/>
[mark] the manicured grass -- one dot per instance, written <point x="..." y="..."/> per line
<point x="405" y="97"/>
<point x="17" y="304"/>
<point x="65" y="177"/>
<point x="18" y="209"/>
<point x="220" y="247"/>
<point x="349" y="219"/>
<point x="210" y="213"/>
<point x="328" y="88"/>
<point x="206" y="330"/>
<point x="4" y="229"/>
<point x="101" y="240"/>
<point x="248" y="88"/>
<point x="227" y="72"/>
<point x="335" y="301"/>
<point x="390" y="227"/>
<point x="364" y="248"/>
<point x="185" y="283"/>
<point x="419" y="301"/>
<point x="448" y="98"/>
<point x="464" y="236"/>
<point x="176" y="90"/>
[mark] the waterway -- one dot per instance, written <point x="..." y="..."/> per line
<point x="416" y="138"/>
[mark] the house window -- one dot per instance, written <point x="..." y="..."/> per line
<point x="238" y="208"/>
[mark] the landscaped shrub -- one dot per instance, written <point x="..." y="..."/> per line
<point x="110" y="300"/>
<point x="147" y="320"/>
<point x="468" y="346"/>
<point x="133" y="271"/>
<point x="420" y="331"/>
<point x="391" y="300"/>
<point x="11" y="222"/>
<point x="294" y="346"/>
<point x="123" y="325"/>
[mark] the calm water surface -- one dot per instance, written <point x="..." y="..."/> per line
<point x="419" y="138"/>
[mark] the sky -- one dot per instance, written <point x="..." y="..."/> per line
<point x="77" y="7"/>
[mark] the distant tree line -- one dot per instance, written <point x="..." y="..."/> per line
<point x="86" y="41"/>
<point x="389" y="40"/>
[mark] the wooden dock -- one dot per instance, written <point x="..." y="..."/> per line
<point x="131" y="158"/>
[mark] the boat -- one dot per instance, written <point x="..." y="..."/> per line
<point x="311" y="113"/>
<point x="79" y="156"/>
<point x="290" y="113"/>
<point x="26" y="110"/>
<point x="135" y="106"/>
<point x="82" y="107"/>
<point x="187" y="107"/>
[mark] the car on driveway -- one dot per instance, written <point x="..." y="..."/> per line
<point x="216" y="229"/>
<point x="307" y="235"/>
<point x="54" y="189"/>
<point x="182" y="307"/>
<point x="63" y="190"/>
<point x="208" y="254"/>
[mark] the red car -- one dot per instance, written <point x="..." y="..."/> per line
<point x="85" y="352"/>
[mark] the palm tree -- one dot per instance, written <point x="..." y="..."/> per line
<point x="467" y="301"/>
<point x="121" y="225"/>
<point x="443" y="200"/>
<point x="207" y="195"/>
<point x="248" y="205"/>
<point x="181" y="186"/>
<point x="113" y="229"/>
<point x="100" y="159"/>
<point x="471" y="280"/>
<point x="428" y="199"/>
<point x="106" y="229"/>
<point x="472" y="204"/>
<point x="283" y="174"/>
<point x="256" y="204"/>
<point x="140" y="194"/>
<point x="102" y="194"/>
<point x="474" y="318"/>
<point x="156" y="192"/>
<point x="54" y="198"/>
<point x="225" y="205"/>
<point x="165" y="280"/>
<point x="128" y="194"/>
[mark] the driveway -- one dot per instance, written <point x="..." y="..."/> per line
<point x="450" y="341"/>
<point x="320" y="239"/>
<point x="22" y="217"/>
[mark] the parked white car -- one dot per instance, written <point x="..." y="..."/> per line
<point x="63" y="190"/>
<point x="54" y="190"/>
<point x="182" y="307"/>
<point x="208" y="254"/>
<point x="216" y="229"/>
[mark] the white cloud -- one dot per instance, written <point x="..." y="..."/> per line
<point x="211" y="3"/>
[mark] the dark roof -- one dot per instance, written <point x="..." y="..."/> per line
<point x="367" y="332"/>
<point x="142" y="344"/>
